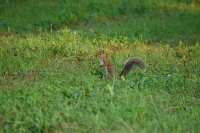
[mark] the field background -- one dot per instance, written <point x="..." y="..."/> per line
<point x="51" y="81"/>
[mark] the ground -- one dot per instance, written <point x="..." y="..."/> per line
<point x="51" y="81"/>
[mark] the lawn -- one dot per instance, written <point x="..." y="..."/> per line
<point x="51" y="80"/>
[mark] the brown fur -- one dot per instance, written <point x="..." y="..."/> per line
<point x="105" y="61"/>
<point x="131" y="65"/>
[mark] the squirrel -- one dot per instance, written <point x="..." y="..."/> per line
<point x="105" y="61"/>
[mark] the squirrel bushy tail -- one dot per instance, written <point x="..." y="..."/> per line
<point x="105" y="61"/>
<point x="131" y="65"/>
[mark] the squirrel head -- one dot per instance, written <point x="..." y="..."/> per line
<point x="101" y="55"/>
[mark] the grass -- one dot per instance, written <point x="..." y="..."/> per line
<point x="50" y="79"/>
<point x="153" y="20"/>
